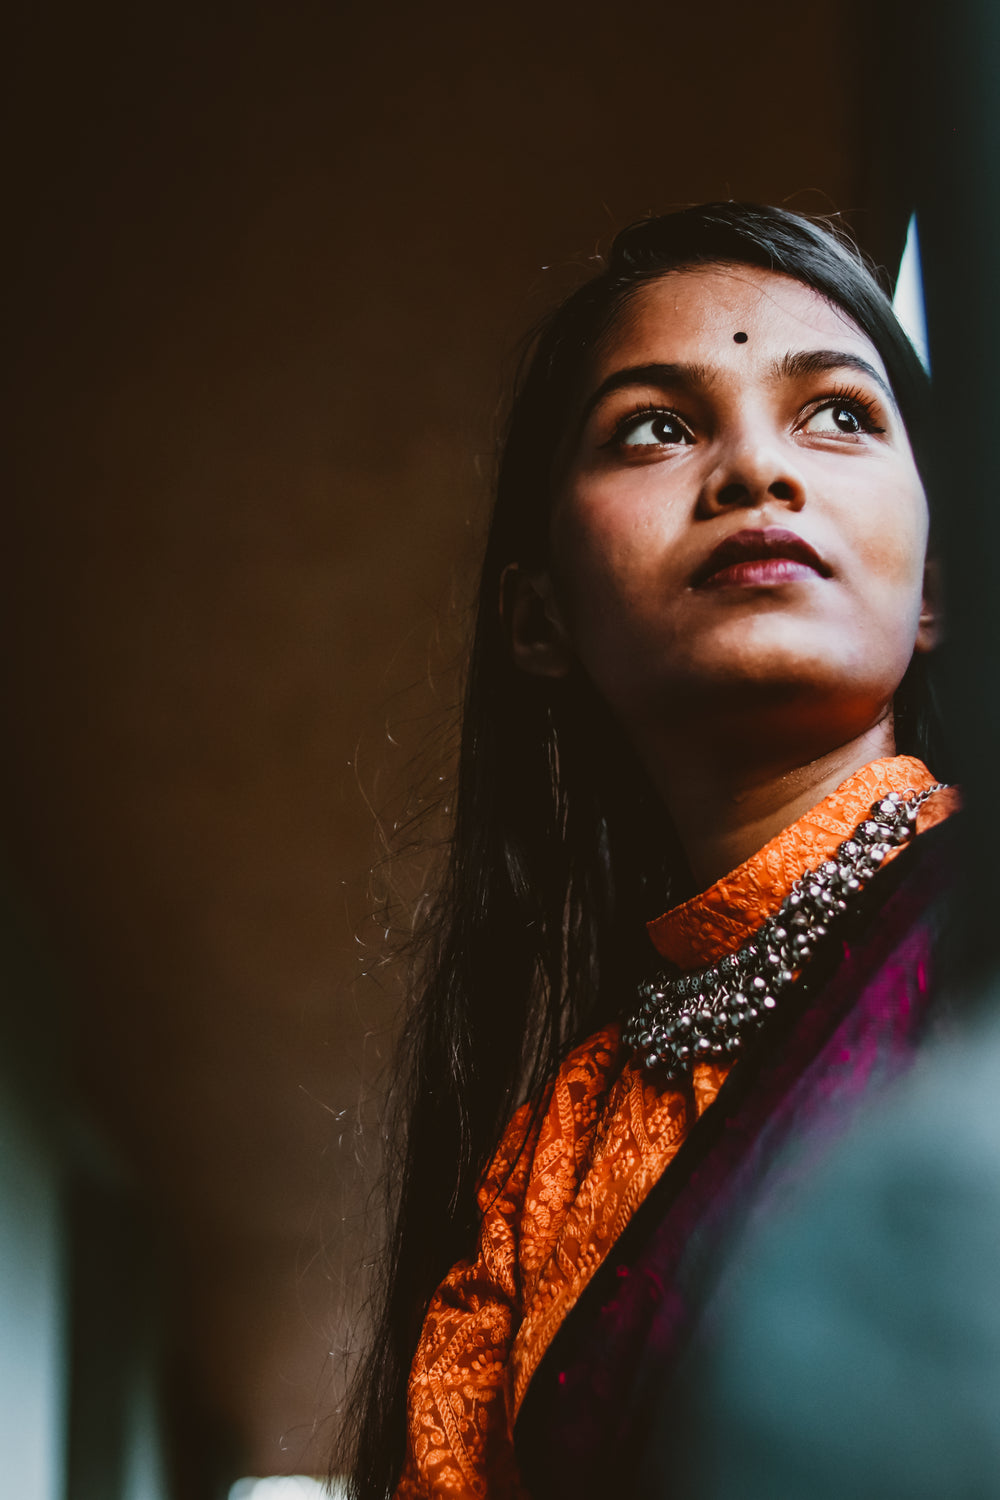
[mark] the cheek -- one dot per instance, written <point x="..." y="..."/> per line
<point x="611" y="551"/>
<point x="889" y="536"/>
<point x="903" y="568"/>
<point x="886" y="596"/>
<point x="892" y="569"/>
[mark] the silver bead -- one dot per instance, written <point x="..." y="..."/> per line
<point x="706" y="1003"/>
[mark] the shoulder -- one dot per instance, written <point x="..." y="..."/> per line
<point x="938" y="807"/>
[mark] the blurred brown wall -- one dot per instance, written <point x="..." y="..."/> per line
<point x="271" y="264"/>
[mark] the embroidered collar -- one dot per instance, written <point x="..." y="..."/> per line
<point x="716" y="922"/>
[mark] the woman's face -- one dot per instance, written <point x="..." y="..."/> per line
<point x="738" y="510"/>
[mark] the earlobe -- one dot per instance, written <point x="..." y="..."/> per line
<point x="930" y="627"/>
<point x="539" y="640"/>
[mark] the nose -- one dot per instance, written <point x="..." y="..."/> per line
<point x="753" y="468"/>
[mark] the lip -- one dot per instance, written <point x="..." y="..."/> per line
<point x="768" y="556"/>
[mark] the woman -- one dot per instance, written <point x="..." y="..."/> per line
<point x="704" y="619"/>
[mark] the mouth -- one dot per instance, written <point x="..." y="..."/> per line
<point x="748" y="558"/>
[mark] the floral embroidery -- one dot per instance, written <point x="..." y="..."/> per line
<point x="596" y="1150"/>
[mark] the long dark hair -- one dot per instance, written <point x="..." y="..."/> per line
<point x="560" y="846"/>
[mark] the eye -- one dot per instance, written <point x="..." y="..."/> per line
<point x="844" y="417"/>
<point x="654" y="428"/>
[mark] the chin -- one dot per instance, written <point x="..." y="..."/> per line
<point x="771" y="656"/>
<point x="770" y="667"/>
<point x="806" y="702"/>
<point x="800" y="683"/>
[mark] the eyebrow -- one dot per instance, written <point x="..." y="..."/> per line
<point x="823" y="361"/>
<point x="792" y="366"/>
<point x="654" y="374"/>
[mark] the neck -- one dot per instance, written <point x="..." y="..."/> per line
<point x="726" y="808"/>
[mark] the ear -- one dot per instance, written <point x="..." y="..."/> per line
<point x="539" y="640"/>
<point x="930" y="628"/>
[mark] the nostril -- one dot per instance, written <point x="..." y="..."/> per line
<point x="782" y="490"/>
<point x="733" y="494"/>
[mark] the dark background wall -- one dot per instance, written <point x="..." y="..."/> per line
<point x="270" y="265"/>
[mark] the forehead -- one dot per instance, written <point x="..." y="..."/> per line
<point x="691" y="316"/>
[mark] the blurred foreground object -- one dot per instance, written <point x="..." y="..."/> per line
<point x="855" y="1349"/>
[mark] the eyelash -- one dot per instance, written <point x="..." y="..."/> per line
<point x="864" y="407"/>
<point x="642" y="413"/>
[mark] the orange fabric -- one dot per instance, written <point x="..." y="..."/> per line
<point x="602" y="1141"/>
<point x="715" y="923"/>
<point x="555" y="1200"/>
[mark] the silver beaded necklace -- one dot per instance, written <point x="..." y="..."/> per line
<point x="707" y="1015"/>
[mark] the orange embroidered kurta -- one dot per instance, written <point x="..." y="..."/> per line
<point x="553" y="1204"/>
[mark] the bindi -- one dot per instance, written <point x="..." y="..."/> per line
<point x="739" y="338"/>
